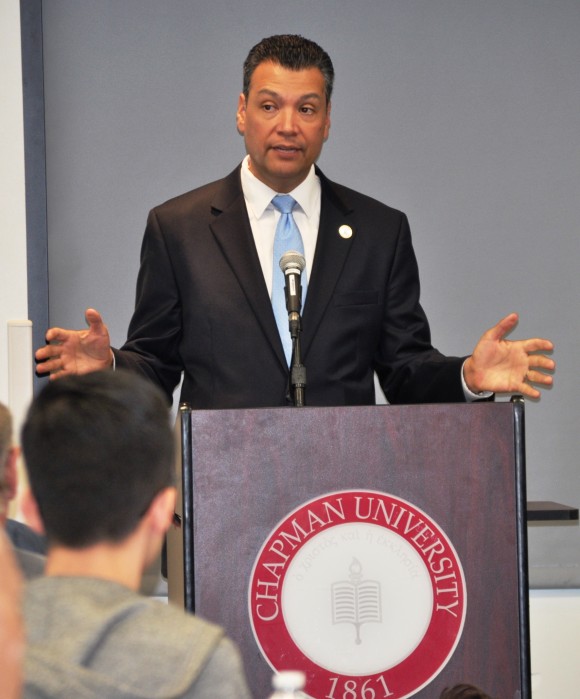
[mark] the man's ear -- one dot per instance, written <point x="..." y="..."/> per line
<point x="31" y="512"/>
<point x="161" y="509"/>
<point x="241" y="114"/>
<point x="11" y="473"/>
<point x="327" y="124"/>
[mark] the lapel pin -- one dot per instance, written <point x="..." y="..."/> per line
<point x="345" y="232"/>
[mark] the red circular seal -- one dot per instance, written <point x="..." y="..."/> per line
<point x="362" y="591"/>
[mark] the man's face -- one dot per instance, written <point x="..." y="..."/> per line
<point x="284" y="121"/>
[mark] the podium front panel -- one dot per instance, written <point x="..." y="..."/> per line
<point x="458" y="464"/>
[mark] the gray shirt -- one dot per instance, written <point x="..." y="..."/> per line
<point x="89" y="638"/>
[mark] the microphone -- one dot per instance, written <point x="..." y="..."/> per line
<point x="292" y="263"/>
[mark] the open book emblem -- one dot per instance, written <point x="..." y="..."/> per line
<point x="356" y="601"/>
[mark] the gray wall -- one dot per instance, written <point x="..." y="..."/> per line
<point x="464" y="114"/>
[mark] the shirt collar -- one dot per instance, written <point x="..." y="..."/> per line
<point x="259" y="196"/>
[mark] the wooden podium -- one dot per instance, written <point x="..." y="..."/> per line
<point x="463" y="466"/>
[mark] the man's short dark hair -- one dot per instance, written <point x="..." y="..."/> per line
<point x="291" y="51"/>
<point x="464" y="691"/>
<point x="98" y="447"/>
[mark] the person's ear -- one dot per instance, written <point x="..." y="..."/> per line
<point x="241" y="114"/>
<point x="327" y="124"/>
<point x="160" y="512"/>
<point x="31" y="512"/>
<point x="11" y="473"/>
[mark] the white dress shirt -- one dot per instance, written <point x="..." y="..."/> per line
<point x="264" y="217"/>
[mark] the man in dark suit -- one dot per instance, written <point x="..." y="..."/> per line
<point x="207" y="269"/>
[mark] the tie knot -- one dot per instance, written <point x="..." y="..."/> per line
<point x="284" y="203"/>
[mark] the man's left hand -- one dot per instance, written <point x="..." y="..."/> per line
<point x="505" y="366"/>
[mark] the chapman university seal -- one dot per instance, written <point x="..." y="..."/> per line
<point x="362" y="591"/>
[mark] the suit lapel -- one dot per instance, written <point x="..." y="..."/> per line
<point x="231" y="228"/>
<point x="332" y="250"/>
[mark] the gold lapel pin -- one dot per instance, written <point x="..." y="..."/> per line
<point x="345" y="232"/>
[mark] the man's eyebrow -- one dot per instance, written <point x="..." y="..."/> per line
<point x="307" y="96"/>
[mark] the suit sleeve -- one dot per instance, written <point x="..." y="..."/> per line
<point x="410" y="370"/>
<point x="152" y="345"/>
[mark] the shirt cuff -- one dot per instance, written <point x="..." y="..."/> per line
<point x="470" y="396"/>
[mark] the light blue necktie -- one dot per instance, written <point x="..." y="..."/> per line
<point x="287" y="238"/>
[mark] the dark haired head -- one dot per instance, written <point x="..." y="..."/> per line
<point x="464" y="691"/>
<point x="98" y="448"/>
<point x="293" y="52"/>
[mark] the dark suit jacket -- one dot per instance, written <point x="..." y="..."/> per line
<point x="202" y="307"/>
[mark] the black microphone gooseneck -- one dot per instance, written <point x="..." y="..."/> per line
<point x="292" y="264"/>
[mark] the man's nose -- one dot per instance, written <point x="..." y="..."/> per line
<point x="287" y="121"/>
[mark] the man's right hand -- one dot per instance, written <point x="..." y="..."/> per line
<point x="76" y="351"/>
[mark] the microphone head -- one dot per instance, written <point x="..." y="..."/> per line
<point x="292" y="260"/>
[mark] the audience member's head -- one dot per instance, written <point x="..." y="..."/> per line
<point x="8" y="458"/>
<point x="464" y="691"/>
<point x="98" y="450"/>
<point x="29" y="546"/>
